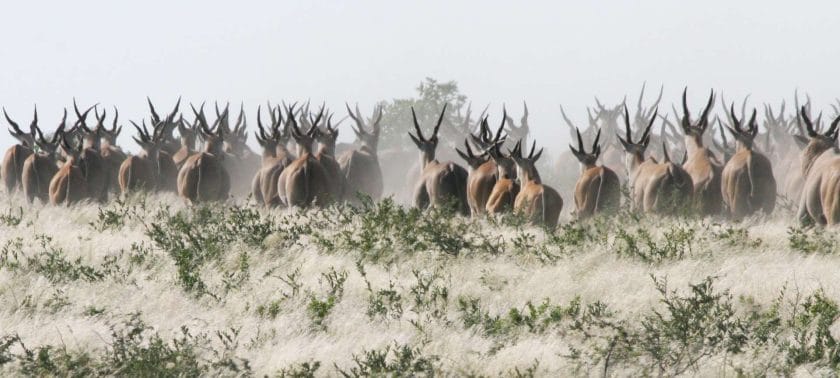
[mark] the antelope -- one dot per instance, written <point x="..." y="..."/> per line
<point x="654" y="187"/>
<point x="203" y="176"/>
<point x="241" y="163"/>
<point x="820" y="199"/>
<point x="69" y="185"/>
<point x="747" y="183"/>
<point x="304" y="181"/>
<point x="40" y="167"/>
<point x="276" y="157"/>
<point x="168" y="179"/>
<point x="703" y="167"/>
<point x="506" y="188"/>
<point x="360" y="166"/>
<point x="540" y="203"/>
<point x="326" y="157"/>
<point x="111" y="153"/>
<point x="142" y="171"/>
<point x="15" y="156"/>
<point x="438" y="182"/>
<point x="186" y="135"/>
<point x="482" y="169"/>
<point x="518" y="132"/>
<point x="598" y="188"/>
<point x="94" y="168"/>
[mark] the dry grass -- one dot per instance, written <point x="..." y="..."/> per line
<point x="313" y="292"/>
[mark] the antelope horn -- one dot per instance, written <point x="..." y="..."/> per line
<point x="595" y="143"/>
<point x="417" y="125"/>
<point x="686" y="114"/>
<point x="628" y="134"/>
<point x="440" y="120"/>
<point x="155" y="116"/>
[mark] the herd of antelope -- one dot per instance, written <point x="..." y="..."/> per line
<point x="301" y="165"/>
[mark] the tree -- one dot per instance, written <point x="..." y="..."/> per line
<point x="431" y="96"/>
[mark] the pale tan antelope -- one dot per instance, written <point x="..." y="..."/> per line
<point x="326" y="156"/>
<point x="655" y="187"/>
<point x="186" y="137"/>
<point x="598" y="189"/>
<point x="203" y="176"/>
<point x="112" y="154"/>
<point x="15" y="156"/>
<point x="482" y="168"/>
<point x="360" y="166"/>
<point x="747" y="184"/>
<point x="304" y="182"/>
<point x="39" y="168"/>
<point x="68" y="185"/>
<point x="540" y="203"/>
<point x="241" y="162"/>
<point x="506" y="188"/>
<point x="168" y="180"/>
<point x="276" y="157"/>
<point x="703" y="167"/>
<point x="820" y="199"/>
<point x="439" y="184"/>
<point x="141" y="172"/>
<point x="94" y="167"/>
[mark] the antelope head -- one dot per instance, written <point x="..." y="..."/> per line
<point x="484" y="137"/>
<point x="236" y="142"/>
<point x="723" y="146"/>
<point x="305" y="139"/>
<point x="635" y="149"/>
<point x="91" y="138"/>
<point x="214" y="137"/>
<point x="526" y="168"/>
<point x="367" y="139"/>
<point x="694" y="130"/>
<point x="109" y="137"/>
<point x="150" y="143"/>
<point x="327" y="137"/>
<point x="50" y="147"/>
<point x="273" y="139"/>
<point x="587" y="159"/>
<point x="744" y="136"/>
<point x="427" y="146"/>
<point x="521" y="131"/>
<point x="25" y="139"/>
<point x="473" y="160"/>
<point x="72" y="154"/>
<point x="168" y="124"/>
<point x="817" y="142"/>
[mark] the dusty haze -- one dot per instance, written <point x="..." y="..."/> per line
<point x="547" y="53"/>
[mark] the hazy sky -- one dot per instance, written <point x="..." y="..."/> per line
<point x="548" y="53"/>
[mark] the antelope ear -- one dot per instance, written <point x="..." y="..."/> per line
<point x="463" y="155"/>
<point x="537" y="156"/>
<point x="623" y="142"/>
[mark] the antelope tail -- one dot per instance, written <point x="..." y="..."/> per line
<point x="601" y="179"/>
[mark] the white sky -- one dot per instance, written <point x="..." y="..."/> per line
<point x="548" y="53"/>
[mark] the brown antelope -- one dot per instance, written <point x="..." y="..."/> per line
<point x="40" y="167"/>
<point x="186" y="135"/>
<point x="241" y="162"/>
<point x="598" y="189"/>
<point x="820" y="199"/>
<point x="142" y="171"/>
<point x="438" y="182"/>
<point x="168" y="179"/>
<point x="540" y="203"/>
<point x="94" y="167"/>
<point x="654" y="187"/>
<point x="111" y="153"/>
<point x="747" y="182"/>
<point x="482" y="168"/>
<point x="506" y="188"/>
<point x="326" y="156"/>
<point x="703" y="167"/>
<point x="304" y="182"/>
<point x="203" y="176"/>
<point x="68" y="185"/>
<point x="276" y="157"/>
<point x="15" y="156"/>
<point x="360" y="166"/>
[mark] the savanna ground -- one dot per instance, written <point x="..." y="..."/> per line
<point x="148" y="286"/>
